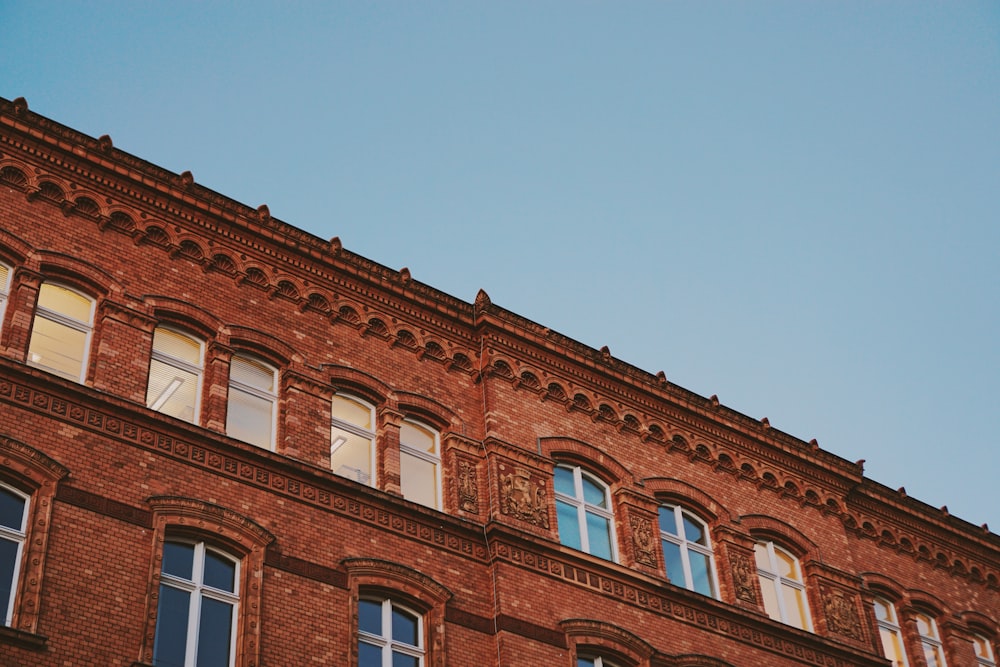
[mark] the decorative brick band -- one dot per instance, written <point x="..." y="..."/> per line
<point x="104" y="506"/>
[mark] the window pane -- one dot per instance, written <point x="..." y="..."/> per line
<point x="65" y="302"/>
<point x="214" y="633"/>
<point x="404" y="628"/>
<point x="351" y="456"/>
<point x="883" y="611"/>
<point x="8" y="561"/>
<point x="171" y="628"/>
<point x="403" y="660"/>
<point x="668" y="521"/>
<point x="786" y="565"/>
<point x="370" y="617"/>
<point x="694" y="532"/>
<point x="171" y="390"/>
<point x="599" y="535"/>
<point x="220" y="572"/>
<point x="564" y="481"/>
<point x="177" y="345"/>
<point x="252" y="373"/>
<point x="584" y="662"/>
<point x="57" y="348"/>
<point x="352" y="412"/>
<point x="248" y="418"/>
<point x="369" y="656"/>
<point x="178" y="559"/>
<point x="892" y="647"/>
<point x="675" y="568"/>
<point x="933" y="656"/>
<point x="795" y="606"/>
<point x="568" y="525"/>
<point x="11" y="510"/>
<point x="593" y="493"/>
<point x="4" y="274"/>
<point x="701" y="573"/>
<point x="418" y="438"/>
<point x="770" y="598"/>
<point x="760" y="555"/>
<point x="417" y="479"/>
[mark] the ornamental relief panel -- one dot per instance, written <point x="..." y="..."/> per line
<point x="643" y="540"/>
<point x="841" y="611"/>
<point x="523" y="496"/>
<point x="468" y="485"/>
<point x="744" y="574"/>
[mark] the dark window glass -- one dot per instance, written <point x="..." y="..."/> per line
<point x="219" y="572"/>
<point x="404" y="627"/>
<point x="178" y="559"/>
<point x="369" y="656"/>
<point x="171" y="627"/>
<point x="11" y="510"/>
<point x="370" y="617"/>
<point x="402" y="660"/>
<point x="213" y="635"/>
<point x="8" y="560"/>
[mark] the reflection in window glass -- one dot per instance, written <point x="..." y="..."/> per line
<point x="253" y="401"/>
<point x="389" y="635"/>
<point x="4" y="288"/>
<point x="60" y="332"/>
<point x="352" y="439"/>
<point x="582" y="510"/>
<point x="890" y="632"/>
<point x="419" y="464"/>
<point x="196" y="613"/>
<point x="984" y="651"/>
<point x="930" y="641"/>
<point x="175" y="374"/>
<point x="686" y="550"/>
<point x="782" y="586"/>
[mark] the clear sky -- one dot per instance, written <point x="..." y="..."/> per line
<point x="792" y="205"/>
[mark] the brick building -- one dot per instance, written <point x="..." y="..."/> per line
<point x="225" y="442"/>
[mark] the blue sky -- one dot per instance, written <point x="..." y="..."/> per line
<point x="792" y="205"/>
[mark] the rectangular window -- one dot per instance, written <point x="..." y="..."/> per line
<point x="419" y="464"/>
<point x="352" y="439"/>
<point x="175" y="372"/>
<point x="253" y="401"/>
<point x="60" y="333"/>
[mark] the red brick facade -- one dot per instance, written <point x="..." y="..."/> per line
<point x="520" y="414"/>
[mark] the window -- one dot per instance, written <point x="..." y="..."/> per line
<point x="253" y="401"/>
<point x="175" y="374"/>
<point x="930" y="641"/>
<point x="889" y="630"/>
<point x="60" y="334"/>
<point x="781" y="584"/>
<point x="597" y="661"/>
<point x="13" y="524"/>
<point x="419" y="464"/>
<point x="687" y="550"/>
<point x="583" y="511"/>
<point x="4" y="288"/>
<point x="196" y="615"/>
<point x="352" y="439"/>
<point x="389" y="635"/>
<point x="984" y="651"/>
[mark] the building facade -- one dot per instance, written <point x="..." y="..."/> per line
<point x="225" y="442"/>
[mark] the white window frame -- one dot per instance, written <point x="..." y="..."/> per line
<point x="269" y="396"/>
<point x="597" y="661"/>
<point x="18" y="536"/>
<point x="982" y="643"/>
<point x="180" y="364"/>
<point x="87" y="328"/>
<point x="685" y="545"/>
<point x="582" y="507"/>
<point x="773" y="578"/>
<point x="354" y="429"/>
<point x="198" y="590"/>
<point x="434" y="459"/>
<point x="931" y="642"/>
<point x="5" y="289"/>
<point x="386" y="644"/>
<point x="891" y="626"/>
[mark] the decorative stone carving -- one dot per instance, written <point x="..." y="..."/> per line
<point x="841" y="612"/>
<point x="468" y="487"/>
<point x="743" y="578"/>
<point x="522" y="496"/>
<point x="643" y="540"/>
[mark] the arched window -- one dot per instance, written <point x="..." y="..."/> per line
<point x="352" y="439"/>
<point x="596" y="661"/>
<point x="175" y="372"/>
<point x="4" y="288"/>
<point x="253" y="401"/>
<point x="984" y="651"/>
<point x="60" y="333"/>
<point x="420" y="464"/>
<point x="389" y="634"/>
<point x="13" y="525"/>
<point x="930" y="640"/>
<point x="687" y="550"/>
<point x="890" y="632"/>
<point x="782" y="585"/>
<point x="583" y="510"/>
<point x="197" y="611"/>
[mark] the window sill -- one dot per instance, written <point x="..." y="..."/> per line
<point x="22" y="638"/>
